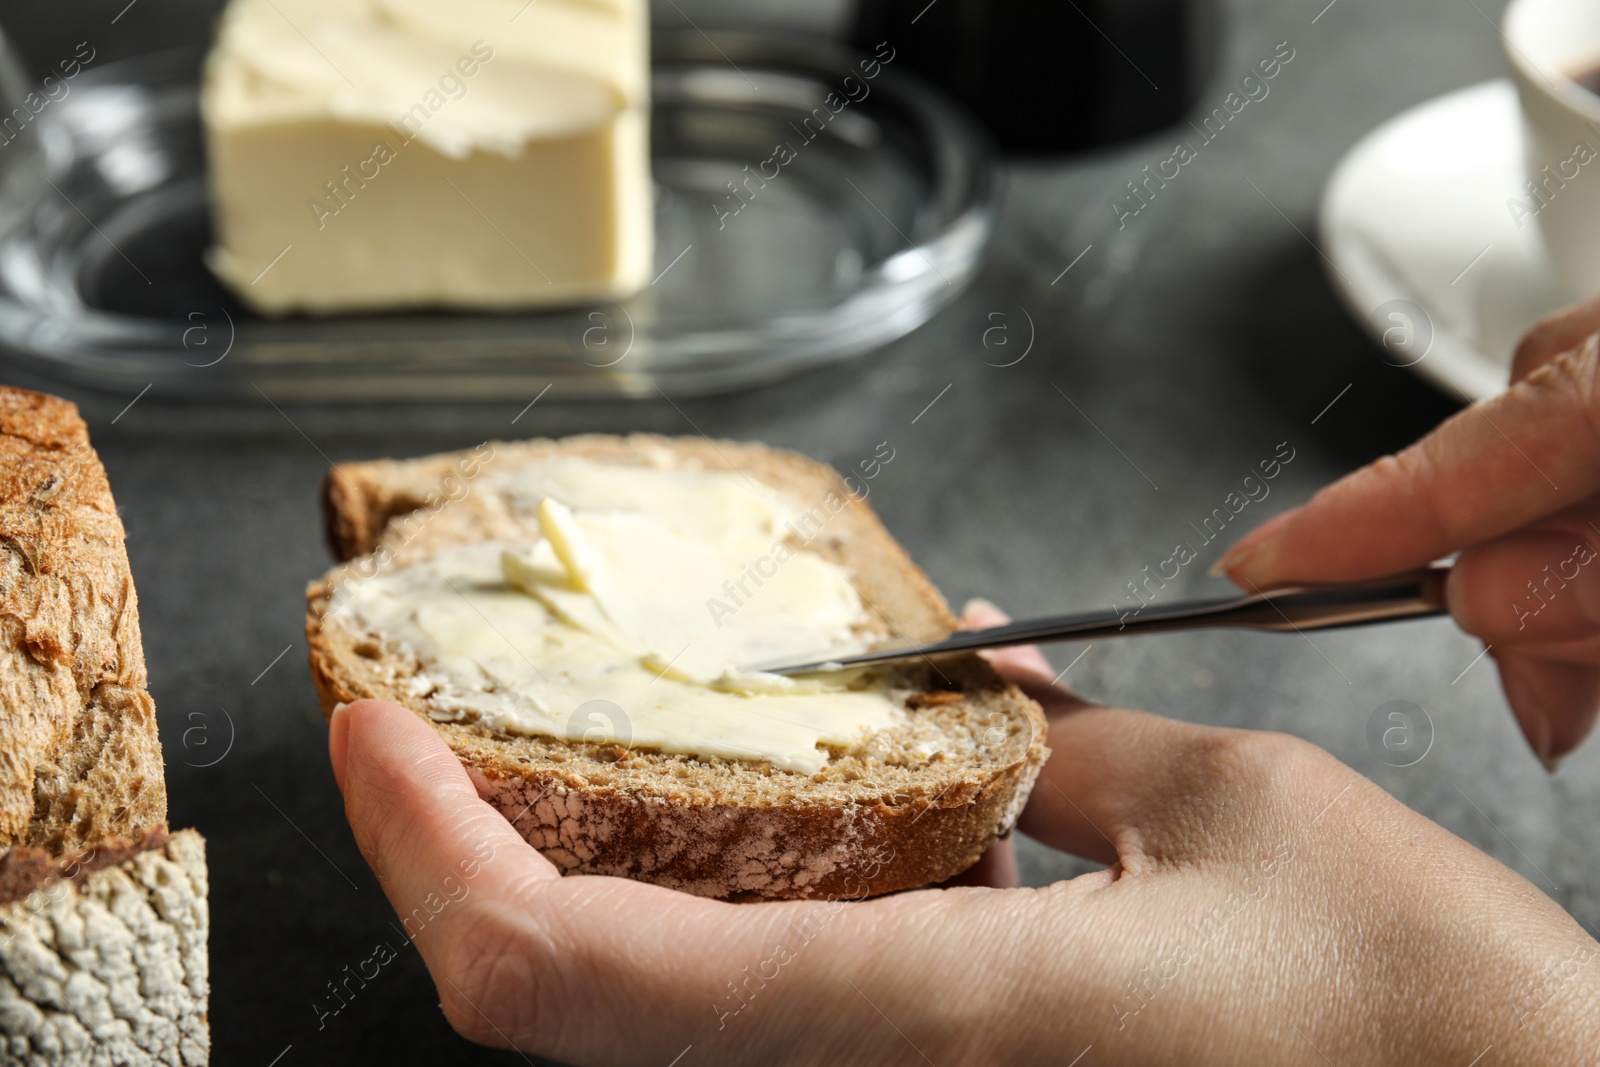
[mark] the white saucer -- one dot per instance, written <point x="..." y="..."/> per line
<point x="1423" y="247"/>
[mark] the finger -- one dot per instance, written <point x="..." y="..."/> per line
<point x="1533" y="587"/>
<point x="420" y="823"/>
<point x="1128" y="787"/>
<point x="980" y="614"/>
<point x="1080" y="803"/>
<point x="1053" y="819"/>
<point x="996" y="869"/>
<point x="1558" y="333"/>
<point x="1579" y="650"/>
<point x="1022" y="665"/>
<point x="1493" y="468"/>
<point x="1052" y="815"/>
<point x="462" y="881"/>
<point x="1555" y="703"/>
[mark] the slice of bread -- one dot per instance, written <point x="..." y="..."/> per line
<point x="905" y="808"/>
<point x="103" y="916"/>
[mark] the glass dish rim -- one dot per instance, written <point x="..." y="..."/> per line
<point x="960" y="162"/>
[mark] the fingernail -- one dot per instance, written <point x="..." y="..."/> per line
<point x="1250" y="549"/>
<point x="984" y="612"/>
<point x="1232" y="558"/>
<point x="1531" y="716"/>
<point x="338" y="741"/>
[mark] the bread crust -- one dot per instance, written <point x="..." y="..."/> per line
<point x="81" y="760"/>
<point x="24" y="869"/>
<point x="727" y="829"/>
<point x="110" y="967"/>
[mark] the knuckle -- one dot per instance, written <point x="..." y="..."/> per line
<point x="1421" y="468"/>
<point x="1233" y="789"/>
<point x="1414" y="474"/>
<point x="1555" y="334"/>
<point x="1234" y="776"/>
<point x="1579" y="366"/>
<point x="1574" y="378"/>
<point x="1248" y="760"/>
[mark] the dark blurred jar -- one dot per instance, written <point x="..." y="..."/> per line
<point x="1054" y="75"/>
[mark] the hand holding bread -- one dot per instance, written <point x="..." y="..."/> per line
<point x="1264" y="904"/>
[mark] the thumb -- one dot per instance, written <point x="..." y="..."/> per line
<point x="421" y="825"/>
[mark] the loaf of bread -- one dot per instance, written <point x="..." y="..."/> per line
<point x="904" y="808"/>
<point x="103" y="915"/>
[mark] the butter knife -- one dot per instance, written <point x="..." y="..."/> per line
<point x="1413" y="595"/>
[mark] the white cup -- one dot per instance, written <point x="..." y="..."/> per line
<point x="1550" y="42"/>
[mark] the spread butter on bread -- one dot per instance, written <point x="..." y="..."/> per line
<point x="583" y="621"/>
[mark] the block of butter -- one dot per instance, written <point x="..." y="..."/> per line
<point x="370" y="154"/>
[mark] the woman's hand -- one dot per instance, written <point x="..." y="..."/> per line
<point x="1263" y="904"/>
<point x="1511" y="484"/>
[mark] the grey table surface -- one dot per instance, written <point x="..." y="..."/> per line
<point x="1191" y="343"/>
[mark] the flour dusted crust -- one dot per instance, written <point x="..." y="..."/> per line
<point x="103" y="916"/>
<point x="875" y="819"/>
<point x="110" y="968"/>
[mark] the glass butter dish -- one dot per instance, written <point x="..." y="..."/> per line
<point x="873" y="218"/>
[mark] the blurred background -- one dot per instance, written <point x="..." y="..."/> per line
<point x="1042" y="76"/>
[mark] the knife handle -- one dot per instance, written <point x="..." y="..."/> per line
<point x="1417" y="594"/>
